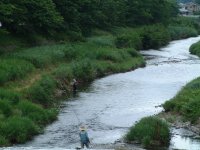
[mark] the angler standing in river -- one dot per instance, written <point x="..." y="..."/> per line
<point x="74" y="86"/>
<point x="84" y="137"/>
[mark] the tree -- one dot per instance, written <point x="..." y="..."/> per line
<point x="27" y="16"/>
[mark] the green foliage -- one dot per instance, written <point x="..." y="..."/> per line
<point x="112" y="55"/>
<point x="195" y="49"/>
<point x="129" y="39"/>
<point x="11" y="96"/>
<point x="178" y="32"/>
<point x="154" y="36"/>
<point x="83" y="70"/>
<point x="42" y="56"/>
<point x="186" y="22"/>
<point x="81" y="16"/>
<point x="12" y="69"/>
<point x="150" y="11"/>
<point x="105" y="40"/>
<point x="42" y="91"/>
<point x="186" y="102"/>
<point x="35" y="112"/>
<point x="8" y="42"/>
<point x="148" y="131"/>
<point x="4" y="141"/>
<point x="17" y="129"/>
<point x="5" y="107"/>
<point x="29" y="16"/>
<point x="63" y="73"/>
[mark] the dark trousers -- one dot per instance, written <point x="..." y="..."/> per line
<point x="84" y="144"/>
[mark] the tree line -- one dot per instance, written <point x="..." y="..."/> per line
<point x="50" y="16"/>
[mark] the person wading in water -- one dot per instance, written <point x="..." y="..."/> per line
<point x="84" y="137"/>
<point x="74" y="86"/>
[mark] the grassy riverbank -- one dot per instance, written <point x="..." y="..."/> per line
<point x="150" y="132"/>
<point x="32" y="78"/>
<point x="187" y="103"/>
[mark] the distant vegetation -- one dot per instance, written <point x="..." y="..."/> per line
<point x="42" y="22"/>
<point x="150" y="132"/>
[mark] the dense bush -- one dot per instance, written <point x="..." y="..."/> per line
<point x="154" y="36"/>
<point x="63" y="73"/>
<point x="83" y="70"/>
<point x="186" y="22"/>
<point x="42" y="56"/>
<point x="186" y="102"/>
<point x="178" y="32"/>
<point x="195" y="49"/>
<point x="11" y="96"/>
<point x="150" y="131"/>
<point x="17" y="130"/>
<point x="5" y="107"/>
<point x="129" y="38"/>
<point x="102" y="40"/>
<point x="35" y="112"/>
<point x="42" y="91"/>
<point x="12" y="69"/>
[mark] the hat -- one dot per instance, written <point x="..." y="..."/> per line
<point x="82" y="128"/>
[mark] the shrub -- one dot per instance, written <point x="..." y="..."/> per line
<point x="13" y="69"/>
<point x="191" y="110"/>
<point x="186" y="22"/>
<point x="3" y="141"/>
<point x="133" y="52"/>
<point x="18" y="130"/>
<point x="5" y="107"/>
<point x="129" y="39"/>
<point x="83" y="70"/>
<point x="186" y="102"/>
<point x="63" y="73"/>
<point x="195" y="49"/>
<point x="106" y="40"/>
<point x="42" y="91"/>
<point x="178" y="32"/>
<point x="42" y="56"/>
<point x="150" y="130"/>
<point x="71" y="53"/>
<point x="34" y="112"/>
<point x="154" y="36"/>
<point x="108" y="54"/>
<point x="11" y="96"/>
<point x="169" y="106"/>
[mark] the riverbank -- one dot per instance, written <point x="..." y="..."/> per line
<point x="33" y="79"/>
<point x="183" y="110"/>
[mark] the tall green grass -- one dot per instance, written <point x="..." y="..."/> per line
<point x="13" y="69"/>
<point x="150" y="131"/>
<point x="42" y="56"/>
<point x="178" y="32"/>
<point x="186" y="102"/>
<point x="42" y="91"/>
<point x="195" y="49"/>
<point x="17" y="130"/>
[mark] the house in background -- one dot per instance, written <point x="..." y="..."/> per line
<point x="189" y="8"/>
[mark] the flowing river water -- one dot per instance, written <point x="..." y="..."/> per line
<point x="114" y="103"/>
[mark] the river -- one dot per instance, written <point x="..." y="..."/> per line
<point x="110" y="105"/>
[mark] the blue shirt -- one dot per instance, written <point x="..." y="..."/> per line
<point x="84" y="137"/>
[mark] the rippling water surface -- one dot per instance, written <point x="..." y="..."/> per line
<point x="114" y="103"/>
